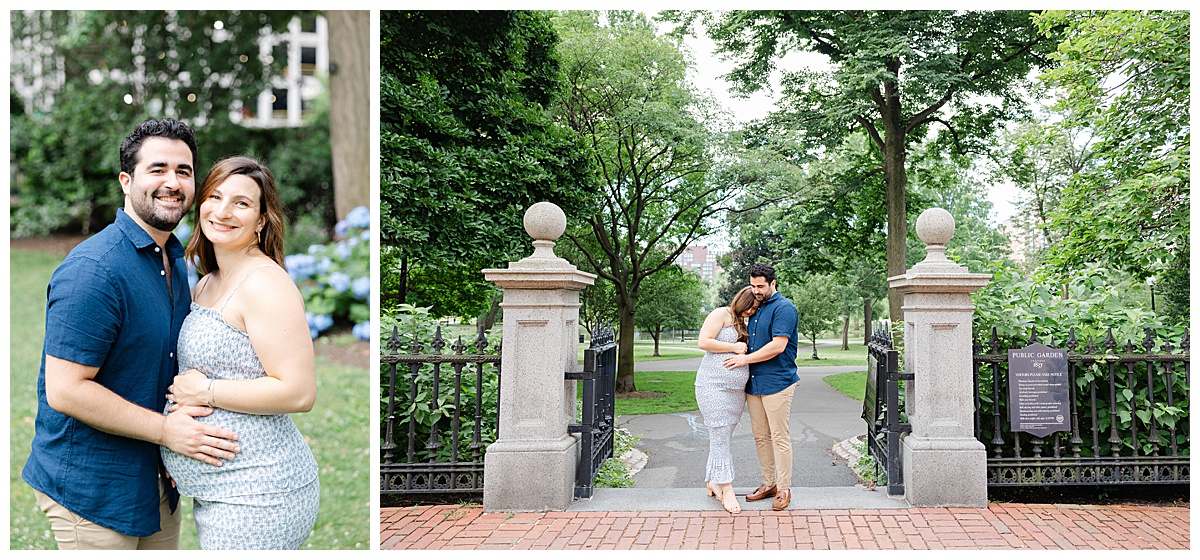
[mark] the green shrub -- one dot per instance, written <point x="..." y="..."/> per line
<point x="1012" y="305"/>
<point x="414" y="323"/>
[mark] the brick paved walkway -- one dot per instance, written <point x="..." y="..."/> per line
<point x="1001" y="526"/>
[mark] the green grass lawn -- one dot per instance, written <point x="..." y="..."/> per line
<point x="853" y="384"/>
<point x="831" y="355"/>
<point x="336" y="429"/>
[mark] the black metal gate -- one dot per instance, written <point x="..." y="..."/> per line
<point x="881" y="407"/>
<point x="597" y="408"/>
<point x="437" y="422"/>
<point x="1128" y="417"/>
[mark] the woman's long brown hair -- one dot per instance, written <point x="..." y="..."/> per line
<point x="200" y="249"/>
<point x="743" y="301"/>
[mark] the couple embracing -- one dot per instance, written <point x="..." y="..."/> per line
<point x="147" y="392"/>
<point x="750" y="363"/>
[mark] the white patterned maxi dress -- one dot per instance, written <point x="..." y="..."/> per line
<point x="721" y="394"/>
<point x="266" y="497"/>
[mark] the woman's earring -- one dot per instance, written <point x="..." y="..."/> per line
<point x="259" y="233"/>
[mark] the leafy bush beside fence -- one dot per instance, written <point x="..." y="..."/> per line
<point x="414" y="324"/>
<point x="1015" y="307"/>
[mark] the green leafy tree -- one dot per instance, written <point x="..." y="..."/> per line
<point x="84" y="78"/>
<point x="1040" y="158"/>
<point x="466" y="146"/>
<point x="818" y="301"/>
<point x="627" y="97"/>
<point x="828" y="217"/>
<point x="898" y="76"/>
<point x="1125" y="75"/>
<point x="671" y="299"/>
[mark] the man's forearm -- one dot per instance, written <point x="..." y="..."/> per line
<point x="97" y="406"/>
<point x="772" y="349"/>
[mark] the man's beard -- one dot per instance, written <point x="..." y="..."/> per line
<point x="160" y="219"/>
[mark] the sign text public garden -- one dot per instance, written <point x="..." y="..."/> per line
<point x="1038" y="390"/>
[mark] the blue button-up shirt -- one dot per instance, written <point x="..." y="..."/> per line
<point x="108" y="306"/>
<point x="776" y="316"/>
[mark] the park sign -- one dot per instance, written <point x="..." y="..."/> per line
<point x="1038" y="390"/>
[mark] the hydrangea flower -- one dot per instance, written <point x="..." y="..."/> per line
<point x="362" y="331"/>
<point x="340" y="228"/>
<point x="300" y="266"/>
<point x="342" y="249"/>
<point x="322" y="266"/>
<point x="340" y="281"/>
<point x="317" y="323"/>
<point x="362" y="287"/>
<point x="359" y="217"/>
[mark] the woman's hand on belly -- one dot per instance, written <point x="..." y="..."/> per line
<point x="190" y="388"/>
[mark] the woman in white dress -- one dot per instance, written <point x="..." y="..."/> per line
<point x="245" y="350"/>
<point x="721" y="392"/>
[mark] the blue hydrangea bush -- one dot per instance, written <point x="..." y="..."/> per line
<point x="335" y="278"/>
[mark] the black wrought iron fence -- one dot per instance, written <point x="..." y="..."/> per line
<point x="439" y="415"/>
<point x="882" y="408"/>
<point x="597" y="408"/>
<point x="1128" y="416"/>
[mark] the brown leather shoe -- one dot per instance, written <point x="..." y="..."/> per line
<point x="761" y="493"/>
<point x="782" y="499"/>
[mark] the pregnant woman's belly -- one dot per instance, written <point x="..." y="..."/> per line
<point x="274" y="457"/>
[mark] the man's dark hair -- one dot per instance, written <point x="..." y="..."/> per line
<point x="762" y="270"/>
<point x="155" y="128"/>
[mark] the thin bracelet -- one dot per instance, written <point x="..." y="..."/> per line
<point x="212" y="394"/>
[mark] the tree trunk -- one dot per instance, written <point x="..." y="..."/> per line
<point x="403" y="278"/>
<point x="625" y="347"/>
<point x="866" y="321"/>
<point x="350" y="108"/>
<point x="656" y="334"/>
<point x="488" y="319"/>
<point x="846" y="330"/>
<point x="895" y="178"/>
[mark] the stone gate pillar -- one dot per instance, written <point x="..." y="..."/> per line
<point x="532" y="464"/>
<point x="942" y="462"/>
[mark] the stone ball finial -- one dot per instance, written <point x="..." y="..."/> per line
<point x="545" y="221"/>
<point x="935" y="226"/>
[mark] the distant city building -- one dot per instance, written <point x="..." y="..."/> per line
<point x="702" y="260"/>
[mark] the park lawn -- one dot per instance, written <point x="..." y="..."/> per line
<point x="831" y="355"/>
<point x="336" y="429"/>
<point x="853" y="384"/>
<point x="678" y="388"/>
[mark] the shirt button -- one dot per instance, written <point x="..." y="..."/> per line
<point x="162" y="273"/>
<point x="172" y="354"/>
<point x="156" y="249"/>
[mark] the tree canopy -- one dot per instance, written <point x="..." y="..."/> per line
<point x="466" y="146"/>
<point x="627" y="98"/>
<point x="1126" y="76"/>
<point x="84" y="79"/>
<point x="899" y="76"/>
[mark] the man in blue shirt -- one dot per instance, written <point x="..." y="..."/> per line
<point x="113" y="311"/>
<point x="771" y="354"/>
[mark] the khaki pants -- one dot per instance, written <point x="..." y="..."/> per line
<point x="76" y="533"/>
<point x="769" y="415"/>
